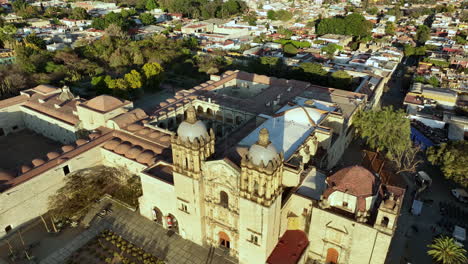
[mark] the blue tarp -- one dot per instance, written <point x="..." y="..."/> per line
<point x="419" y="138"/>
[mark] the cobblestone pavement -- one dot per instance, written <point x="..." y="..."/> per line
<point x="147" y="234"/>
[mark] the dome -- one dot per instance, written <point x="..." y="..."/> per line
<point x="52" y="155"/>
<point x="144" y="131"/>
<point x="134" y="127"/>
<point x="67" y="148"/>
<point x="192" y="128"/>
<point x="354" y="180"/>
<point x="94" y="136"/>
<point x="5" y="176"/>
<point x="80" y="142"/>
<point x="146" y="157"/>
<point x="123" y="148"/>
<point x="25" y="168"/>
<point x="134" y="152"/>
<point x="263" y="151"/>
<point x="112" y="144"/>
<point x="104" y="103"/>
<point x="37" y="162"/>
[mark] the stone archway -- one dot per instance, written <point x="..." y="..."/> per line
<point x="172" y="223"/>
<point x="332" y="256"/>
<point x="224" y="240"/>
<point x="157" y="215"/>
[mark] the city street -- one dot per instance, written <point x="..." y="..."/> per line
<point x="414" y="233"/>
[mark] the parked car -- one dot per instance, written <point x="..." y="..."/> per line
<point x="423" y="179"/>
<point x="461" y="195"/>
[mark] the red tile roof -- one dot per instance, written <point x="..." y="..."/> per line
<point x="354" y="180"/>
<point x="290" y="248"/>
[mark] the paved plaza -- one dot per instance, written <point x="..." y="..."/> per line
<point x="149" y="235"/>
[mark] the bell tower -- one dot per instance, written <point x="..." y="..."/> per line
<point x="190" y="147"/>
<point x="260" y="200"/>
<point x="387" y="214"/>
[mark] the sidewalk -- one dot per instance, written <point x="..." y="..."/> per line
<point x="152" y="237"/>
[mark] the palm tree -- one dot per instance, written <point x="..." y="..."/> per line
<point x="444" y="250"/>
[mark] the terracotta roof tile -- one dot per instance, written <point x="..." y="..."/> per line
<point x="290" y="248"/>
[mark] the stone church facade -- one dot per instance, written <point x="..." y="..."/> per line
<point x="237" y="163"/>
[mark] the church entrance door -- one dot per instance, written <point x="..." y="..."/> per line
<point x="332" y="256"/>
<point x="224" y="240"/>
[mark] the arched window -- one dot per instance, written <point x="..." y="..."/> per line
<point x="224" y="199"/>
<point x="256" y="188"/>
<point x="385" y="221"/>
<point x="209" y="112"/>
<point x="200" y="110"/>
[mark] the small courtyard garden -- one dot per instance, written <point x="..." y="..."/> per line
<point x="109" y="247"/>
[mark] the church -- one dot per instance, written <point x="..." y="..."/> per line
<point x="243" y="162"/>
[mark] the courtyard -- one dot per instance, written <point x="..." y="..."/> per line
<point x="21" y="147"/>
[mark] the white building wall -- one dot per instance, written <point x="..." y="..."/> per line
<point x="49" y="127"/>
<point x="112" y="159"/>
<point x="337" y="199"/>
<point x="264" y="222"/>
<point x="157" y="193"/>
<point x="189" y="193"/>
<point x="11" y="119"/>
<point x="29" y="200"/>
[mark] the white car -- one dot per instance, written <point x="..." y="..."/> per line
<point x="461" y="195"/>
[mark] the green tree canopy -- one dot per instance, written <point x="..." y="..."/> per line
<point x="352" y="25"/>
<point x="390" y="28"/>
<point x="84" y="187"/>
<point x="452" y="158"/>
<point x="153" y="74"/>
<point x="290" y="49"/>
<point x="271" y="14"/>
<point x="331" y="48"/>
<point x="444" y="250"/>
<point x="79" y="13"/>
<point x="341" y="80"/>
<point x="423" y="34"/>
<point x="134" y="80"/>
<point x="147" y="19"/>
<point x="384" y="130"/>
<point x="151" y="4"/>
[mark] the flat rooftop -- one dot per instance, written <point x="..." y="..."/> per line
<point x="22" y="147"/>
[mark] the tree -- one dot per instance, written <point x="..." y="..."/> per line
<point x="33" y="39"/>
<point x="444" y="250"/>
<point x="390" y="28"/>
<point x="250" y="18"/>
<point x="84" y="187"/>
<point x="341" y="80"/>
<point x="7" y="34"/>
<point x="153" y="72"/>
<point x="385" y="131"/>
<point x="271" y="14"/>
<point x="330" y="49"/>
<point x="151" y="4"/>
<point x="134" y="80"/>
<point x="283" y="15"/>
<point x="373" y="10"/>
<point x="433" y="81"/>
<point x="423" y="34"/>
<point x="147" y="19"/>
<point x="290" y="49"/>
<point x="79" y="13"/>
<point x="452" y="157"/>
